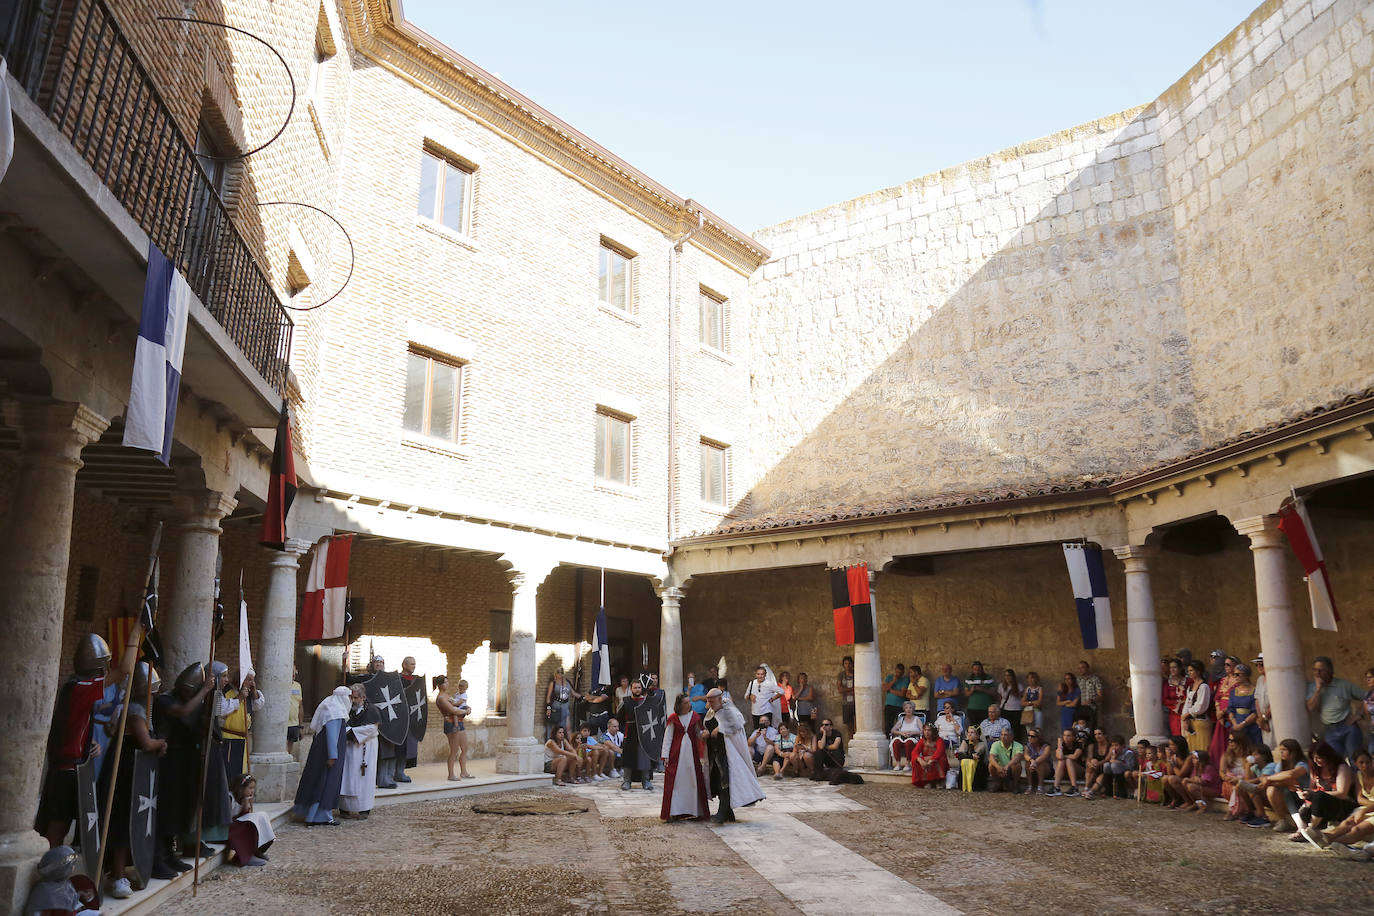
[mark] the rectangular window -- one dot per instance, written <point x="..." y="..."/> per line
<point x="443" y="191"/>
<point x="612" y="448"/>
<point x="434" y="396"/>
<point x="615" y="278"/>
<point x="712" y="473"/>
<point x="712" y="320"/>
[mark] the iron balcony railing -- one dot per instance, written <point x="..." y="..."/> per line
<point x="77" y="65"/>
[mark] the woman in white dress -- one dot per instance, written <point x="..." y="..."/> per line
<point x="684" y="759"/>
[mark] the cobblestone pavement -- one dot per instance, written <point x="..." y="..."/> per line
<point x="807" y="848"/>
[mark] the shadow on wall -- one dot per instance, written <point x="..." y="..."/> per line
<point x="1062" y="353"/>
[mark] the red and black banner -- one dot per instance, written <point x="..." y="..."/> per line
<point x="853" y="605"/>
<point x="281" y="488"/>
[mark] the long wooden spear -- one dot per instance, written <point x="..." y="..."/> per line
<point x="216" y="619"/>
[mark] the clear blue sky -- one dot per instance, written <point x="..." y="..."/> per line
<point x="766" y="110"/>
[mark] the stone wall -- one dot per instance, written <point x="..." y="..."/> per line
<point x="1073" y="306"/>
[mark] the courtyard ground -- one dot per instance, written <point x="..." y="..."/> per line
<point x="806" y="849"/>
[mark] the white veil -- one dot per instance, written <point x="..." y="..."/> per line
<point x="771" y="680"/>
<point x="334" y="706"/>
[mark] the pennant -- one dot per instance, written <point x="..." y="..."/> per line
<point x="245" y="650"/>
<point x="1296" y="525"/>
<point x="601" y="653"/>
<point x="6" y="122"/>
<point x="853" y="605"/>
<point x="156" y="383"/>
<point x="1089" y="579"/>
<point x="118" y="628"/>
<point x="147" y="621"/>
<point x="281" y="487"/>
<point x="326" y="590"/>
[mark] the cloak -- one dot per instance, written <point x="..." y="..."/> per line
<point x="733" y="766"/>
<point x="359" y="786"/>
<point x="632" y="756"/>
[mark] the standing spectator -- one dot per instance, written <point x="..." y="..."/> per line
<point x="1038" y="762"/>
<point x="1090" y="698"/>
<point x="894" y="694"/>
<point x="788" y="704"/>
<point x="558" y="703"/>
<point x="805" y="697"/>
<point x="844" y="685"/>
<point x="1197" y="704"/>
<point x="763" y="695"/>
<point x="1221" y="705"/>
<point x="1032" y="698"/>
<point x="455" y="711"/>
<point x="929" y="759"/>
<point x="905" y="732"/>
<point x="829" y="746"/>
<point x="1336" y="699"/>
<point x="1175" y="689"/>
<point x="697" y="694"/>
<point x="1262" y="707"/>
<point x="293" y="712"/>
<point x="1005" y="758"/>
<point x="1009" y="699"/>
<point x="1242" y="711"/>
<point x="1067" y="700"/>
<point x="1068" y="761"/>
<point x="979" y="692"/>
<point x="947" y="687"/>
<point x="918" y="691"/>
<point x="622" y="692"/>
<point x="1217" y="670"/>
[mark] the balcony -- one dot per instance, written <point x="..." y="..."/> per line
<point x="100" y="157"/>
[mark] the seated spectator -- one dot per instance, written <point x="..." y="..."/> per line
<point x="779" y="750"/>
<point x="1096" y="747"/>
<point x="616" y="739"/>
<point x="798" y="761"/>
<point x="1005" y="759"/>
<point x="929" y="759"/>
<point x="600" y="755"/>
<point x="829" y="746"/>
<point x="905" y="732"/>
<point x="1235" y="761"/>
<point x="1330" y="796"/>
<point x="1179" y="764"/>
<point x="1112" y="779"/>
<point x="949" y="726"/>
<point x="1359" y="825"/>
<point x="1068" y="760"/>
<point x="1152" y="775"/>
<point x="1205" y="783"/>
<point x="1280" y="788"/>
<point x="1039" y="760"/>
<point x="991" y="727"/>
<point x="1138" y="759"/>
<point x="761" y="742"/>
<point x="972" y="755"/>
<point x="560" y="758"/>
<point x="1248" y="797"/>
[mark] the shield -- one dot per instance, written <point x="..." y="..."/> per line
<point x="385" y="691"/>
<point x="88" y="823"/>
<point x="143" y="813"/>
<point x="650" y="719"/>
<point x="418" y="701"/>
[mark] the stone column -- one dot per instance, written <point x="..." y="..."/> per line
<point x="670" y="642"/>
<point x="869" y="748"/>
<point x="521" y="752"/>
<point x="276" y="770"/>
<point x="1142" y="642"/>
<point x="184" y="623"/>
<point x="34" y="555"/>
<point x="1284" y="670"/>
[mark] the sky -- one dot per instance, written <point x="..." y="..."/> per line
<point x="763" y="111"/>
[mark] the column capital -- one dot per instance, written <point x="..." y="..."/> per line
<point x="527" y="571"/>
<point x="202" y="509"/>
<point x="1136" y="557"/>
<point x="1262" y="530"/>
<point x="60" y="429"/>
<point x="671" y="593"/>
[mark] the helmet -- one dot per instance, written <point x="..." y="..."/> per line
<point x="142" y="674"/>
<point x="218" y="670"/>
<point x="58" y="864"/>
<point x="92" y="655"/>
<point x="192" y="678"/>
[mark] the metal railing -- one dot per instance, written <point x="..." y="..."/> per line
<point x="77" y="65"/>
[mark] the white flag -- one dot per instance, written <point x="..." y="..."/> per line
<point x="245" y="650"/>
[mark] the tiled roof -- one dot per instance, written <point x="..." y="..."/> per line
<point x="806" y="518"/>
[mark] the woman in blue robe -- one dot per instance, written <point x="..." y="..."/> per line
<point x="318" y="792"/>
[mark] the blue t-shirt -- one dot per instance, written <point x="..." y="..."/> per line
<point x="892" y="699"/>
<point x="698" y="696"/>
<point x="946" y="683"/>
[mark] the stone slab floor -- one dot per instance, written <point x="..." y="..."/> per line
<point x="806" y="849"/>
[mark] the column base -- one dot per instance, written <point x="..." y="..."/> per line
<point x="869" y="751"/>
<point x="19" y="854"/>
<point x="1155" y="740"/>
<point x="520" y="756"/>
<point x="277" y="776"/>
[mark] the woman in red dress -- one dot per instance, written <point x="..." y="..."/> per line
<point x="1175" y="689"/>
<point x="684" y="757"/>
<point x="928" y="759"/>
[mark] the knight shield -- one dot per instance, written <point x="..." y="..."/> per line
<point x="88" y="825"/>
<point x="418" y="701"/>
<point x="143" y="813"/>
<point x="385" y="691"/>
<point x="650" y="719"/>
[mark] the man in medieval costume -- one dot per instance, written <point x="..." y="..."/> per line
<point x="407" y="754"/>
<point x="684" y="762"/>
<point x="218" y="801"/>
<point x="237" y="706"/>
<point x="138" y="736"/>
<point x="71" y="739"/>
<point x="385" y="775"/>
<point x="322" y="776"/>
<point x="634" y="758"/>
<point x="732" y="770"/>
<point x="179" y="718"/>
<point x="359" y="787"/>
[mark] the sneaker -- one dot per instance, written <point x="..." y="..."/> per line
<point x="777" y="776"/>
<point x="121" y="889"/>
<point x="1254" y="820"/>
<point x="648" y="787"/>
<point x="1054" y="792"/>
<point x="615" y="774"/>
<point x="1071" y="791"/>
<point x="1350" y="852"/>
<point x="1088" y="794"/>
<point x="255" y="862"/>
<point x="1314" y="836"/>
<point x="624" y="787"/>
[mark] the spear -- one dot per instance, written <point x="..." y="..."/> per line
<point x="216" y="624"/>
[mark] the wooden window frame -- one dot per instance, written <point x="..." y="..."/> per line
<point x="427" y="401"/>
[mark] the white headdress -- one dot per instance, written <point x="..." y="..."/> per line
<point x="334" y="706"/>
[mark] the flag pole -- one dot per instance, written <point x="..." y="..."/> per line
<point x="209" y="729"/>
<point x="134" y="642"/>
<point x="248" y="710"/>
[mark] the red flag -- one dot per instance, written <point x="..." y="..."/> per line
<point x="1297" y="527"/>
<point x="326" y="590"/>
<point x="853" y="605"/>
<point x="281" y="488"/>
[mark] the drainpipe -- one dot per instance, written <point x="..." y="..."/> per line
<point x="674" y="299"/>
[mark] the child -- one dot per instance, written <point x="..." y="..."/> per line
<point x="250" y="832"/>
<point x="1111" y="778"/>
<point x="1152" y="772"/>
<point x="1249" y="798"/>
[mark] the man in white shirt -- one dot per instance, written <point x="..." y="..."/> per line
<point x="764" y="737"/>
<point x="762" y="694"/>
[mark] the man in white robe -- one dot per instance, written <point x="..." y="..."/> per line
<point x="732" y="771"/>
<point x="360" y="757"/>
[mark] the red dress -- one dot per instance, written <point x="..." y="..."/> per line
<point x="696" y="754"/>
<point x="924" y="774"/>
<point x="1172" y="697"/>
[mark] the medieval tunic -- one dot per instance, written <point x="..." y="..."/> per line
<point x="236" y="720"/>
<point x="118" y="832"/>
<point x="69" y="741"/>
<point x="732" y="768"/>
<point x="684" y="787"/>
<point x="633" y="759"/>
<point x="179" y="770"/>
<point x="359" y="786"/>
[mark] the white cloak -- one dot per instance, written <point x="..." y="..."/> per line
<point x="360" y="770"/>
<point x="690" y="772"/>
<point x="744" y="785"/>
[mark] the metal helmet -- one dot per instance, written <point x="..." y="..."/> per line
<point x="192" y="678"/>
<point x="92" y="655"/>
<point x="218" y="670"/>
<point x="58" y="864"/>
<point x="142" y="674"/>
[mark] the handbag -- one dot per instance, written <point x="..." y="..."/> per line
<point x="1028" y="716"/>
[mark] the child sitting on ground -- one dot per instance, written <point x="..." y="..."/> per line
<point x="250" y="832"/>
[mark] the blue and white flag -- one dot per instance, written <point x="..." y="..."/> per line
<point x="1089" y="580"/>
<point x="601" y="653"/>
<point x="152" y="409"/>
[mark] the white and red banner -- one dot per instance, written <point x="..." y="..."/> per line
<point x="326" y="590"/>
<point x="1296" y="525"/>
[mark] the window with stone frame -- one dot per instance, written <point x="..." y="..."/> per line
<point x="712" y="330"/>
<point x="615" y="275"/>
<point x="434" y="396"/>
<point x="445" y="190"/>
<point x="614" y="447"/>
<point x="715" y="469"/>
